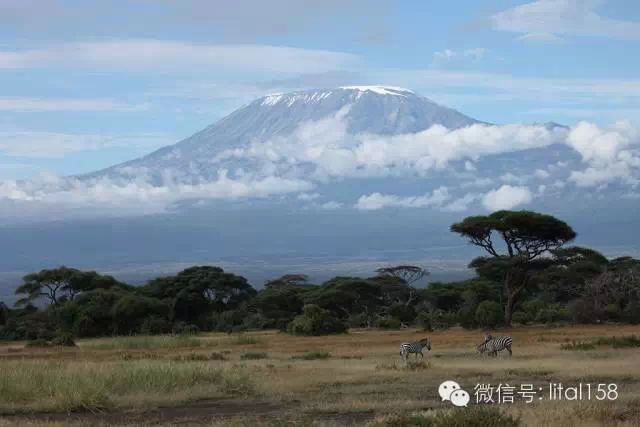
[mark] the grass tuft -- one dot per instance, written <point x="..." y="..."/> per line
<point x="315" y="355"/>
<point x="254" y="356"/>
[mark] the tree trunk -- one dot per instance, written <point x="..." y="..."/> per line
<point x="508" y="309"/>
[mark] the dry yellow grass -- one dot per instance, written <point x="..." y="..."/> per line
<point x="363" y="378"/>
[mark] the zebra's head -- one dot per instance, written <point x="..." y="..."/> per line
<point x="426" y="342"/>
<point x="482" y="347"/>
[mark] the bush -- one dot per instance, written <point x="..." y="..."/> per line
<point x="627" y="341"/>
<point x="155" y="325"/>
<point x="612" y="311"/>
<point x="424" y="320"/>
<point x="489" y="314"/>
<point x="389" y="322"/>
<point x="38" y="343"/>
<point x="182" y="328"/>
<point x="440" y="319"/>
<point x="582" y="311"/>
<point x="578" y="345"/>
<point x="312" y="356"/>
<point x="316" y="321"/>
<point x="547" y="315"/>
<point x="631" y="312"/>
<point x="533" y="307"/>
<point x="65" y="339"/>
<point x="520" y="317"/>
<point x="254" y="356"/>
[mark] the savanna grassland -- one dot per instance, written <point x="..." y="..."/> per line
<point x="356" y="378"/>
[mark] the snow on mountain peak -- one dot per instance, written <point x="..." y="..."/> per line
<point x="381" y="90"/>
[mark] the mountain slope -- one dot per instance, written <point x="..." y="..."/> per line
<point x="369" y="110"/>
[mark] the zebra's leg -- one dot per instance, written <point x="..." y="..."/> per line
<point x="421" y="355"/>
<point x="509" y="350"/>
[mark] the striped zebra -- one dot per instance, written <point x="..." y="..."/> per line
<point x="494" y="345"/>
<point x="406" y="348"/>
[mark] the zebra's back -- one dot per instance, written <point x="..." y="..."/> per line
<point x="498" y="344"/>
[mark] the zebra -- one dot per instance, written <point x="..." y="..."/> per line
<point x="494" y="345"/>
<point x="416" y="347"/>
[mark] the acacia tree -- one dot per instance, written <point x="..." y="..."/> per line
<point x="527" y="237"/>
<point x="409" y="274"/>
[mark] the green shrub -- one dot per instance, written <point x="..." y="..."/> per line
<point x="155" y="325"/>
<point x="254" y="356"/>
<point x="532" y="307"/>
<point x="578" y="345"/>
<point x="182" y="328"/>
<point x="631" y="312"/>
<point x="316" y="321"/>
<point x="547" y="315"/>
<point x="441" y="320"/>
<point x="489" y="314"/>
<point x="38" y="343"/>
<point x="313" y="356"/>
<point x="424" y="320"/>
<point x="627" y="341"/>
<point x="65" y="339"/>
<point x="388" y="322"/>
<point x="520" y="317"/>
<point x="582" y="311"/>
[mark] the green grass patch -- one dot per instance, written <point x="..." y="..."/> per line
<point x="627" y="341"/>
<point x="145" y="341"/>
<point x="242" y="339"/>
<point x="254" y="356"/>
<point x="578" y="346"/>
<point x="315" y="355"/>
<point x="34" y="386"/>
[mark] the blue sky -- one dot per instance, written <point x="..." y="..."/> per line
<point x="83" y="87"/>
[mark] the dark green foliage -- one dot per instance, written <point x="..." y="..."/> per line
<point x="489" y="314"/>
<point x="38" y="343"/>
<point x="312" y="356"/>
<point x="389" y="322"/>
<point x="520" y="317"/>
<point x="627" y="341"/>
<point x="578" y="345"/>
<point x="254" y="356"/>
<point x="64" y="339"/>
<point x="316" y="321"/>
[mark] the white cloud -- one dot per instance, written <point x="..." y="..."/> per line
<point x="26" y="143"/>
<point x="477" y="182"/>
<point x="462" y="204"/>
<point x="506" y="197"/>
<point x="542" y="174"/>
<point x="161" y="55"/>
<point x="448" y="55"/>
<point x="333" y="153"/>
<point x="308" y="196"/>
<point x="516" y="87"/>
<point x="469" y="166"/>
<point x="611" y="154"/>
<point x="105" y="197"/>
<point x="331" y="205"/>
<point x="377" y="201"/>
<point x="546" y="19"/>
<point x="28" y="105"/>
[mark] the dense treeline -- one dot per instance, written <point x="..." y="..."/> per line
<point x="535" y="279"/>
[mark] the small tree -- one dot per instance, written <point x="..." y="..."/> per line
<point x="489" y="314"/>
<point x="527" y="236"/>
<point x="409" y="274"/>
<point x="316" y="321"/>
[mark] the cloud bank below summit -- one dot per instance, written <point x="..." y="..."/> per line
<point x="323" y="154"/>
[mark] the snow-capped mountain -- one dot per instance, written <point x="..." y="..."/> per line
<point x="365" y="110"/>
